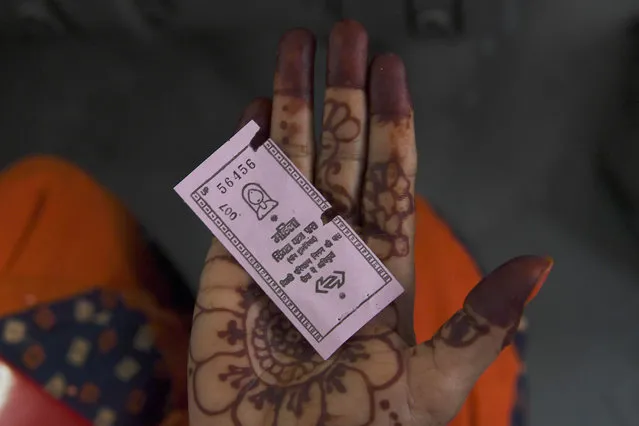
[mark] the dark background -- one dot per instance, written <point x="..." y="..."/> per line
<point x="514" y="114"/>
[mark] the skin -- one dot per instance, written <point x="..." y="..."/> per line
<point x="248" y="365"/>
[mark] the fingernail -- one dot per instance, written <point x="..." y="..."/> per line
<point x="541" y="280"/>
<point x="347" y="55"/>
<point x="389" y="95"/>
<point x="501" y="296"/>
<point x="295" y="64"/>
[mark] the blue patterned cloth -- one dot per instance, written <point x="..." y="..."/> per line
<point x="97" y="356"/>
<point x="92" y="353"/>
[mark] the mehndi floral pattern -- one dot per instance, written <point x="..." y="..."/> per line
<point x="388" y="204"/>
<point x="264" y="368"/>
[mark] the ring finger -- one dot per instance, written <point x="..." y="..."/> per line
<point x="389" y="189"/>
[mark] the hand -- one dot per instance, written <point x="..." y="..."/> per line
<point x="249" y="366"/>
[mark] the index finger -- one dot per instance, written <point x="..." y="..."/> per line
<point x="292" y="119"/>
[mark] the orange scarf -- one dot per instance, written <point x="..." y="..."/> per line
<point x="64" y="234"/>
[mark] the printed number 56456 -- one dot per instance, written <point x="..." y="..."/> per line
<point x="229" y="181"/>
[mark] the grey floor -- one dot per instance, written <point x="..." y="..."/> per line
<point x="509" y="122"/>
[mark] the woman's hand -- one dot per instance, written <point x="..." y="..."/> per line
<point x="248" y="364"/>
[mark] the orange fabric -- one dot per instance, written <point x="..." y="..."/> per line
<point x="445" y="273"/>
<point x="63" y="234"/>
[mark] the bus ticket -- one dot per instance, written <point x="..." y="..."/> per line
<point x="322" y="276"/>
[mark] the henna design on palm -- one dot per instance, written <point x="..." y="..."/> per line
<point x="266" y="367"/>
<point x="461" y="330"/>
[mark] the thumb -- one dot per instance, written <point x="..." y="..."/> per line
<point x="447" y="366"/>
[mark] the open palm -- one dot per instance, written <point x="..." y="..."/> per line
<point x="249" y="366"/>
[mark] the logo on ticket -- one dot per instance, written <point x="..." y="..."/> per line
<point x="268" y="215"/>
<point x="258" y="199"/>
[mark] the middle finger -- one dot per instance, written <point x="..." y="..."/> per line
<point x="340" y="162"/>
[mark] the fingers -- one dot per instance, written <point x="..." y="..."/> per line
<point x="340" y="162"/>
<point x="388" y="209"/>
<point x="471" y="340"/>
<point x="220" y="270"/>
<point x="292" y="118"/>
<point x="259" y="110"/>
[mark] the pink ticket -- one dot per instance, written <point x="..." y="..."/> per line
<point x="268" y="215"/>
